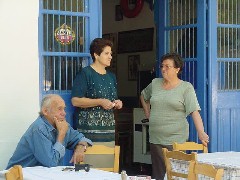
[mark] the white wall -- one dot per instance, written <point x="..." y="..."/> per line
<point x="147" y="59"/>
<point x="19" y="72"/>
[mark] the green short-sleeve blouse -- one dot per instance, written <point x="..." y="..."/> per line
<point x="169" y="109"/>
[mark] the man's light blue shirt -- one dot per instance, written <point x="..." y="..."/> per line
<point x="39" y="147"/>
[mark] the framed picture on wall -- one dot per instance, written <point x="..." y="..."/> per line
<point x="133" y="67"/>
<point x="118" y="13"/>
<point x="135" y="41"/>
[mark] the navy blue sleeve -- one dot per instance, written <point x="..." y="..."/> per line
<point x="79" y="88"/>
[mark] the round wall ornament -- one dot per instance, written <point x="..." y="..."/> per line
<point x="130" y="13"/>
<point x="64" y="34"/>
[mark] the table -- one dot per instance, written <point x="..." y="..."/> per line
<point x="229" y="161"/>
<point x="56" y="173"/>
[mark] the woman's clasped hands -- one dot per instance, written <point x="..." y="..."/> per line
<point x="107" y="104"/>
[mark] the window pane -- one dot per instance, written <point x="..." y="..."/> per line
<point x="184" y="41"/>
<point x="229" y="75"/>
<point x="66" y="5"/>
<point x="228" y="11"/>
<point x="59" y="72"/>
<point x="74" y="23"/>
<point x="182" y="12"/>
<point x="228" y="42"/>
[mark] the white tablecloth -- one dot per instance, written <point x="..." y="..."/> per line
<point x="56" y="173"/>
<point x="229" y="161"/>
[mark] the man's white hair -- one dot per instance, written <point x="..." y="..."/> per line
<point x="47" y="101"/>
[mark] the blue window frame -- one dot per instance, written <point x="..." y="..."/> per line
<point x="66" y="28"/>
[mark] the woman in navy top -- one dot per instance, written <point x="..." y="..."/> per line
<point x="94" y="93"/>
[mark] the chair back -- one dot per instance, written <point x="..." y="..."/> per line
<point x="105" y="150"/>
<point x="191" y="146"/>
<point x="176" y="155"/>
<point x="196" y="169"/>
<point x="14" y="173"/>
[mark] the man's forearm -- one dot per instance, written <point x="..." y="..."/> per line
<point x="61" y="137"/>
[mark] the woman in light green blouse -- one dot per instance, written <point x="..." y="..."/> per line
<point x="171" y="101"/>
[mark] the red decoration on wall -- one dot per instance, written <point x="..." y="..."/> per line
<point x="130" y="13"/>
<point x="64" y="34"/>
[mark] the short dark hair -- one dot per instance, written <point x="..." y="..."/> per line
<point x="97" y="46"/>
<point x="177" y="59"/>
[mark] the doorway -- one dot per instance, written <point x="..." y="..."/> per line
<point x="129" y="59"/>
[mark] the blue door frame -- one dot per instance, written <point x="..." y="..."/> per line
<point x="224" y="97"/>
<point x="217" y="76"/>
<point x="92" y="27"/>
<point x="199" y="77"/>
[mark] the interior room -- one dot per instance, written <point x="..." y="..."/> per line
<point x="134" y="65"/>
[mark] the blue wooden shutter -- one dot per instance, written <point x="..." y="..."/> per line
<point x="224" y="86"/>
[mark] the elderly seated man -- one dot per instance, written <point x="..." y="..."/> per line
<point x="45" y="141"/>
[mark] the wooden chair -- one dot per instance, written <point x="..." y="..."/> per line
<point x="176" y="155"/>
<point x="101" y="149"/>
<point x="14" y="173"/>
<point x="191" y="146"/>
<point x="196" y="168"/>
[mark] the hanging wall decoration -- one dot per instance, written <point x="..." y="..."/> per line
<point x="64" y="34"/>
<point x="133" y="67"/>
<point x="131" y="13"/>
